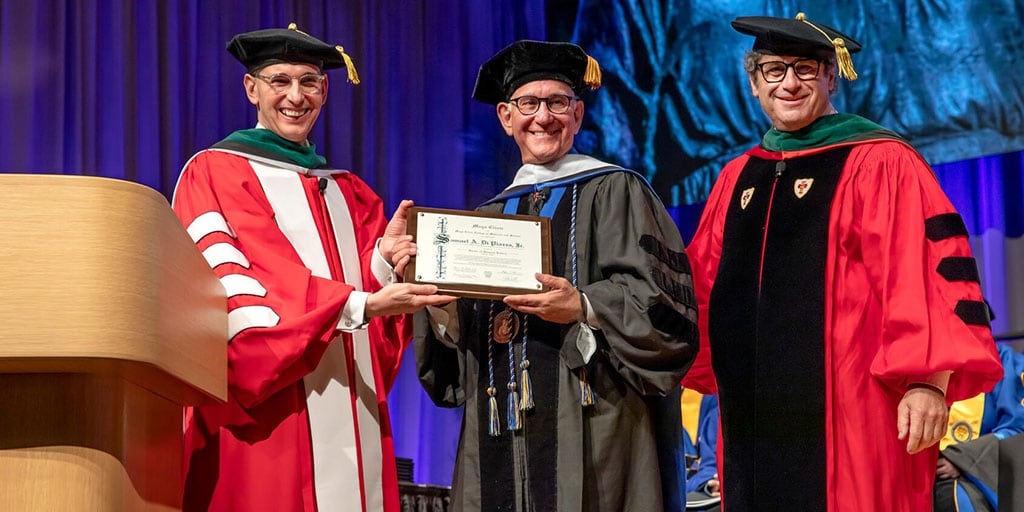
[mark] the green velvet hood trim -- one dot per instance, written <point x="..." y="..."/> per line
<point x="271" y="142"/>
<point x="825" y="131"/>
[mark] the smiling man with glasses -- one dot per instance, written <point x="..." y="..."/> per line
<point x="844" y="310"/>
<point x="311" y="269"/>
<point x="572" y="428"/>
<point x="556" y="103"/>
<point x="774" y="71"/>
<point x="289" y="93"/>
<point x="281" y="83"/>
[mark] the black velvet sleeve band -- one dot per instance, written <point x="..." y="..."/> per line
<point x="947" y="225"/>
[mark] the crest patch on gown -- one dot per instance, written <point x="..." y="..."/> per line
<point x="802" y="186"/>
<point x="745" y="198"/>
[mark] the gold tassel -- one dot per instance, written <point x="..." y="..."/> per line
<point x="493" y="428"/>
<point x="586" y="394"/>
<point x="513" y="408"/>
<point x="353" y="77"/>
<point x="842" y="53"/>
<point x="592" y="76"/>
<point x="843" y="58"/>
<point x="527" y="402"/>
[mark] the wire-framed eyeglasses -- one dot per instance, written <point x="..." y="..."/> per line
<point x="280" y="83"/>
<point x="529" y="105"/>
<point x="775" y="71"/>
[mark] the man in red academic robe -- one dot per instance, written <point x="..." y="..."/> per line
<point x="310" y="266"/>
<point x="839" y="302"/>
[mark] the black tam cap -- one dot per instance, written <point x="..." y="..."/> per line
<point x="798" y="36"/>
<point x="278" y="45"/>
<point x="527" y="61"/>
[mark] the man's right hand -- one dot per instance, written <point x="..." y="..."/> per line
<point x="945" y="469"/>
<point x="401" y="298"/>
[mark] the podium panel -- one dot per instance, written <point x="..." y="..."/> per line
<point x="110" y="322"/>
<point x="87" y="442"/>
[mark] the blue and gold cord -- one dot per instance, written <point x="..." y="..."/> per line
<point x="572" y="234"/>
<point x="586" y="393"/>
<point x="513" y="395"/>
<point x="527" y="388"/>
<point x="493" y="427"/>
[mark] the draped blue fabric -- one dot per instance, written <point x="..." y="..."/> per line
<point x="946" y="74"/>
<point x="130" y="89"/>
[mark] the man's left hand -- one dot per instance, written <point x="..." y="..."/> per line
<point x="396" y="246"/>
<point x="714" y="486"/>
<point x="921" y="418"/>
<point x="560" y="304"/>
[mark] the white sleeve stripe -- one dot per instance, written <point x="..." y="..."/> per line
<point x="223" y="252"/>
<point x="208" y="223"/>
<point x="238" y="284"/>
<point x="246" y="317"/>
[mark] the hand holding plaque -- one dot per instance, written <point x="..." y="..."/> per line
<point x="476" y="254"/>
<point x="396" y="245"/>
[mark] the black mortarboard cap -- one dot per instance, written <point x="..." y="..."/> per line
<point x="798" y="36"/>
<point x="526" y="61"/>
<point x="276" y="45"/>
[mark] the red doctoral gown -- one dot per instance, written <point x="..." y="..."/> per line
<point x="827" y="279"/>
<point x="306" y="424"/>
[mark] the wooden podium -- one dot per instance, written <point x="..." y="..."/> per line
<point x="110" y="322"/>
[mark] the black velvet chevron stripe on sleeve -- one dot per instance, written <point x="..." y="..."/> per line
<point x="668" y="320"/>
<point x="946" y="225"/>
<point x="972" y="312"/>
<point x="959" y="268"/>
<point x="675" y="260"/>
<point x="679" y="293"/>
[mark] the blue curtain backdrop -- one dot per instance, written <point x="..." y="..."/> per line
<point x="987" y="192"/>
<point x="130" y="89"/>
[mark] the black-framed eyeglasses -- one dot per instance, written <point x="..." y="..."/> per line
<point x="529" y="105"/>
<point x="280" y="83"/>
<point x="775" y="71"/>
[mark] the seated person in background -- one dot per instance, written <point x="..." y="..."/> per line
<point x="967" y="473"/>
<point x="700" y="426"/>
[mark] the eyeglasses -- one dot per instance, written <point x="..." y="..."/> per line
<point x="529" y="105"/>
<point x="280" y="83"/>
<point x="775" y="71"/>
